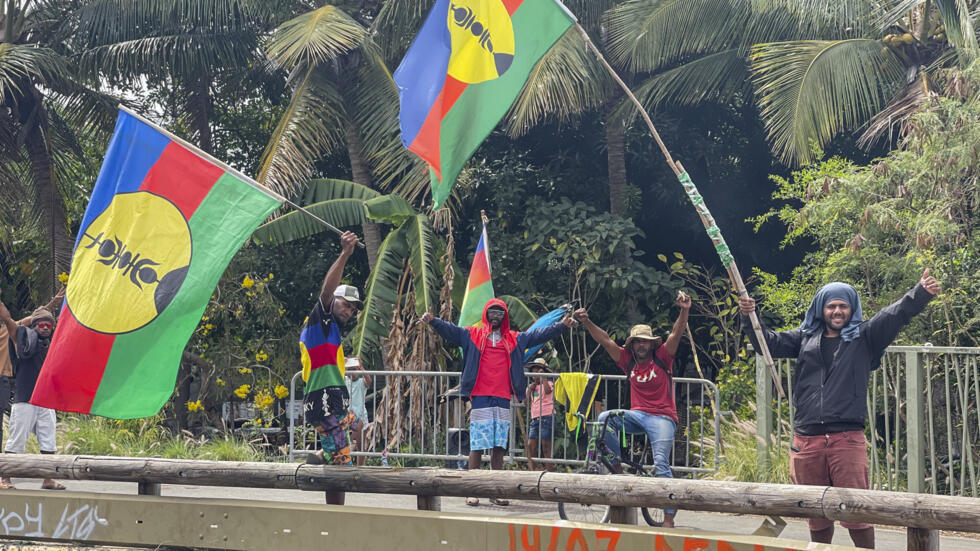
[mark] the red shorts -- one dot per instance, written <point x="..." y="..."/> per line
<point x="839" y="459"/>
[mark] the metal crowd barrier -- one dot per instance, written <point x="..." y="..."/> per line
<point x="923" y="420"/>
<point x="427" y="424"/>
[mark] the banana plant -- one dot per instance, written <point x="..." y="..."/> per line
<point x="410" y="245"/>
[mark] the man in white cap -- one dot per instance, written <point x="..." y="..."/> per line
<point x="326" y="402"/>
<point x="647" y="361"/>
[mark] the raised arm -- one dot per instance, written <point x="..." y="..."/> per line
<point x="680" y="324"/>
<point x="348" y="241"/>
<point x="8" y="322"/>
<point x="582" y="316"/>
<point x="782" y="344"/>
<point x="885" y="325"/>
<point x="451" y="332"/>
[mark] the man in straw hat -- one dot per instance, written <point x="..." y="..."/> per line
<point x="30" y="348"/>
<point x="647" y="361"/>
<point x="835" y="354"/>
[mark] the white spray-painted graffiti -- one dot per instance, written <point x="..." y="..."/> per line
<point x="75" y="523"/>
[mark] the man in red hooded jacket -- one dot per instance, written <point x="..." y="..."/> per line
<point x="493" y="369"/>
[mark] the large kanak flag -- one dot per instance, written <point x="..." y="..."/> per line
<point x="161" y="226"/>
<point x="459" y="77"/>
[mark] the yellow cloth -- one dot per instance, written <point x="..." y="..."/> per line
<point x="570" y="391"/>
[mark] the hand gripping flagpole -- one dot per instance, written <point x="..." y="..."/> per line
<point x="695" y="197"/>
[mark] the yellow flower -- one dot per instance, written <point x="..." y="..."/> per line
<point x="263" y="399"/>
<point x="281" y="391"/>
<point x="209" y="326"/>
<point x="243" y="391"/>
<point x="220" y="381"/>
<point x="281" y="311"/>
<point x="244" y="371"/>
<point x="271" y="276"/>
<point x="258" y="421"/>
<point x="194" y="406"/>
<point x="63" y="278"/>
<point x="261" y="356"/>
<point x="248" y="282"/>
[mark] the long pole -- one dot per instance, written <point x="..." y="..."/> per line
<point x="692" y="193"/>
<point x="238" y="174"/>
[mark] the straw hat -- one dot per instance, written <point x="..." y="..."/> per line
<point x="538" y="363"/>
<point x="642" y="332"/>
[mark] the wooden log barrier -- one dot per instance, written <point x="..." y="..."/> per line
<point x="923" y="511"/>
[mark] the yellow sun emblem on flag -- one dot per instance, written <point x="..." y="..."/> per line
<point x="129" y="263"/>
<point x="482" y="38"/>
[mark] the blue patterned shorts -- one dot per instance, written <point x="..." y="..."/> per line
<point x="489" y="422"/>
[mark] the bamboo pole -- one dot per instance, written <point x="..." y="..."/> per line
<point x="921" y="511"/>
<point x="692" y="193"/>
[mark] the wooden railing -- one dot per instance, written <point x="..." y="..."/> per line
<point x="923" y="514"/>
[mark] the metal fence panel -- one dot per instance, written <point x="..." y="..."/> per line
<point x="417" y="417"/>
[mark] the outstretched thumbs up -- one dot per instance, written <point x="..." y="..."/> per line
<point x="929" y="283"/>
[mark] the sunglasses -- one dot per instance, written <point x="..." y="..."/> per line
<point x="44" y="325"/>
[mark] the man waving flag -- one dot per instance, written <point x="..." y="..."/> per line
<point x="463" y="72"/>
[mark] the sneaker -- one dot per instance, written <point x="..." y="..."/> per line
<point x="315" y="458"/>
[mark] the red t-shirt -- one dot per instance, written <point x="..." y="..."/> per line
<point x="493" y="375"/>
<point x="651" y="388"/>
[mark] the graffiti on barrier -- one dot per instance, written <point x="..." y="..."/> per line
<point x="76" y="523"/>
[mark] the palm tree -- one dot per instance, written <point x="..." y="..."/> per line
<point x="344" y="99"/>
<point x="48" y="111"/>
<point x="192" y="47"/>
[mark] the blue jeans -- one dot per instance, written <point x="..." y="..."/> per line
<point x="659" y="430"/>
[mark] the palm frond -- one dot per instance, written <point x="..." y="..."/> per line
<point x="25" y="65"/>
<point x="520" y="315"/>
<point x="422" y="259"/>
<point x="897" y="112"/>
<point x="311" y="126"/>
<point x="567" y="81"/>
<point x="889" y="12"/>
<point x="397" y="23"/>
<point x="714" y="77"/>
<point x="326" y="189"/>
<point x="380" y="298"/>
<point x="959" y="26"/>
<point x="342" y="213"/>
<point x="810" y="90"/>
<point x="315" y="37"/>
<point x="645" y="35"/>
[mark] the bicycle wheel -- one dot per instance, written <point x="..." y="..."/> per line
<point x="583" y="512"/>
<point x="654" y="517"/>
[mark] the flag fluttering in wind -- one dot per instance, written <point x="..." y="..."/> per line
<point x="161" y="226"/>
<point x="468" y="63"/>
<point x="551" y="317"/>
<point x="479" y="285"/>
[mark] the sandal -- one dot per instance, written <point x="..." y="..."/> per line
<point x="499" y="501"/>
<point x="55" y="487"/>
<point x="6" y="485"/>
<point x="472" y="501"/>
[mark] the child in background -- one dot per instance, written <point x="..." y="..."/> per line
<point x="541" y="393"/>
<point x="357" y="385"/>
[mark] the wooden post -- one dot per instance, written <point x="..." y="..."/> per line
<point x="429" y="503"/>
<point x="763" y="414"/>
<point x="145" y="488"/>
<point x="622" y="515"/>
<point x="922" y="539"/>
<point x="916" y="437"/>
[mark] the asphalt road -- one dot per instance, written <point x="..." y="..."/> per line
<point x="888" y="538"/>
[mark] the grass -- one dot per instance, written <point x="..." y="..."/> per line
<point x="87" y="435"/>
<point x="739" y="459"/>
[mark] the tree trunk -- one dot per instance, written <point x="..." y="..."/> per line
<point x="199" y="109"/>
<point x="49" y="198"/>
<point x="616" y="158"/>
<point x="361" y="175"/>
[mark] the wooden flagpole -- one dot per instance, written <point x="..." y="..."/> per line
<point x="695" y="197"/>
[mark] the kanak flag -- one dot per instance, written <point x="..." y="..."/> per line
<point x="163" y="222"/>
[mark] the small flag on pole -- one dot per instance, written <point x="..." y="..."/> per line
<point x="465" y="68"/>
<point x="161" y="226"/>
<point x="479" y="285"/>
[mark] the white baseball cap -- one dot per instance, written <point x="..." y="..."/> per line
<point x="348" y="293"/>
<point x="353" y="361"/>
